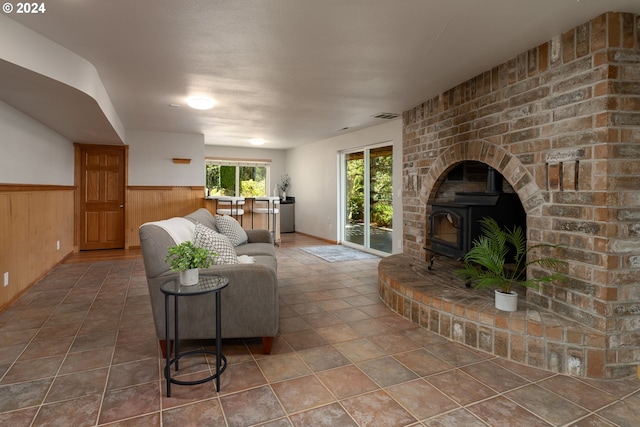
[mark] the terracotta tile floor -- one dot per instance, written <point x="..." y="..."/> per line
<point x="79" y="349"/>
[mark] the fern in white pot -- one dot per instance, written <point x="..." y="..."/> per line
<point x="499" y="259"/>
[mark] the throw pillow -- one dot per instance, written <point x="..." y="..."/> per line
<point x="216" y="242"/>
<point x="231" y="228"/>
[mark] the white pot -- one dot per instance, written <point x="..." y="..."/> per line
<point x="506" y="301"/>
<point x="189" y="277"/>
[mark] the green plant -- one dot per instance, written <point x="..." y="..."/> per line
<point x="285" y="182"/>
<point x="186" y="256"/>
<point x="487" y="263"/>
<point x="355" y="208"/>
<point x="251" y="188"/>
<point x="382" y="214"/>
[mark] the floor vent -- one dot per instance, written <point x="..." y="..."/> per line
<point x="386" y="116"/>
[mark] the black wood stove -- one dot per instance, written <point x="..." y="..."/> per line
<point x="454" y="226"/>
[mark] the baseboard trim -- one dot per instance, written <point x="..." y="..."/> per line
<point x="333" y="242"/>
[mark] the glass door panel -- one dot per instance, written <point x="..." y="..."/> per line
<point x="368" y="220"/>
<point x="354" y="190"/>
<point x="381" y="198"/>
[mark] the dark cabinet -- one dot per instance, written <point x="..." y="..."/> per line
<point x="287" y="215"/>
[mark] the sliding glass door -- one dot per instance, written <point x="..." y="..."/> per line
<point x="367" y="187"/>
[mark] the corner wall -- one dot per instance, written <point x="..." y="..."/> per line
<point x="36" y="201"/>
<point x="158" y="188"/>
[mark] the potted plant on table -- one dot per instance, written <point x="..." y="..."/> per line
<point x="186" y="258"/>
<point x="285" y="183"/>
<point x="499" y="259"/>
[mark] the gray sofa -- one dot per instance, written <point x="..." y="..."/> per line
<point x="249" y="303"/>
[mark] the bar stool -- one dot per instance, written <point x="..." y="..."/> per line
<point x="234" y="209"/>
<point x="269" y="208"/>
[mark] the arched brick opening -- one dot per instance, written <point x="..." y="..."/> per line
<point x="498" y="158"/>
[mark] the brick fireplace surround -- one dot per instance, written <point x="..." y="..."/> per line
<point x="561" y="123"/>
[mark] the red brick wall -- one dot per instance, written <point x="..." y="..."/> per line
<point x="561" y="123"/>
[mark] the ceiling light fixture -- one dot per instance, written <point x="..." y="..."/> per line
<point x="201" y="103"/>
<point x="256" y="141"/>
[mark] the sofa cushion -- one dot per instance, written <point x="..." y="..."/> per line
<point x="268" y="261"/>
<point x="216" y="242"/>
<point x="231" y="228"/>
<point x="204" y="217"/>
<point x="258" y="235"/>
<point x="253" y="249"/>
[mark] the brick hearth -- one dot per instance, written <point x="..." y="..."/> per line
<point x="561" y="123"/>
<point x="439" y="301"/>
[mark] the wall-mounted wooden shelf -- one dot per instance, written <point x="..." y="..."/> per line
<point x="181" y="161"/>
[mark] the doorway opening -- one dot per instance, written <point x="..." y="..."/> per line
<point x="367" y="198"/>
<point x="100" y="176"/>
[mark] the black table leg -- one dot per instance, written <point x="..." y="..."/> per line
<point x="167" y="366"/>
<point x="218" y="341"/>
<point x="176" y="340"/>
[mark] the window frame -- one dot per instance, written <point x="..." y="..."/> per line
<point x="238" y="163"/>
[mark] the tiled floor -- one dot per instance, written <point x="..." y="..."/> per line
<point x="79" y="349"/>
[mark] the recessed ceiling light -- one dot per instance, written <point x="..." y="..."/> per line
<point x="257" y="141"/>
<point x="201" y="103"/>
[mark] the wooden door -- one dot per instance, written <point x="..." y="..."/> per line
<point x="102" y="197"/>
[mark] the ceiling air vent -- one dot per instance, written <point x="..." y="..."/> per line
<point x="386" y="116"/>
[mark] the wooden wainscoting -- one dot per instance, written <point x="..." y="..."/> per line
<point x="146" y="204"/>
<point x="33" y="219"/>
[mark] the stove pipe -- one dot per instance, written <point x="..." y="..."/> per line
<point x="494" y="181"/>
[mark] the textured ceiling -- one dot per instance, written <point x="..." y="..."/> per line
<point x="288" y="71"/>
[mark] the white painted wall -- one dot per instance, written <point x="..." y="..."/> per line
<point x="151" y="154"/>
<point x="28" y="49"/>
<point x="31" y="153"/>
<point x="277" y="158"/>
<point x="314" y="172"/>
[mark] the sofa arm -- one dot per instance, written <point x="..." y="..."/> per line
<point x="259" y="236"/>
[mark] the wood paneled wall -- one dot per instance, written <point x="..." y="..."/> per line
<point x="146" y="204"/>
<point x="33" y="218"/>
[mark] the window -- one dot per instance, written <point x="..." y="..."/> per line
<point x="236" y="178"/>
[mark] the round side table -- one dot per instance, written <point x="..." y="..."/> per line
<point x="207" y="284"/>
